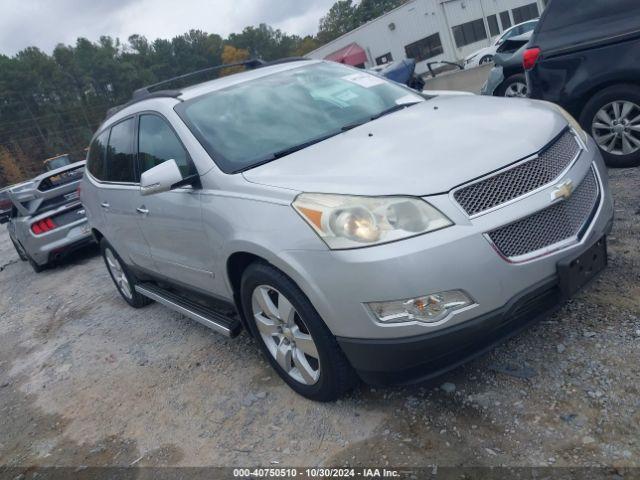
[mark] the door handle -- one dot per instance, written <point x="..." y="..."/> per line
<point x="142" y="210"/>
<point x="105" y="205"/>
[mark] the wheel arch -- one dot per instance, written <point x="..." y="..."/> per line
<point x="594" y="90"/>
<point x="97" y="235"/>
<point x="245" y="254"/>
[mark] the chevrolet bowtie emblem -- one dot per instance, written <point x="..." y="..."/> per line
<point x="562" y="191"/>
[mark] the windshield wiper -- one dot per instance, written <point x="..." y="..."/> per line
<point x="295" y="148"/>
<point x="350" y="126"/>
<point x="392" y="109"/>
<point x="301" y="146"/>
<point x="387" y="111"/>
<point x="287" y="151"/>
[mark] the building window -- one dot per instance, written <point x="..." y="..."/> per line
<point x="469" y="32"/>
<point x="428" y="47"/>
<point x="505" y="19"/>
<point x="527" y="12"/>
<point x="382" y="59"/>
<point x="494" y="29"/>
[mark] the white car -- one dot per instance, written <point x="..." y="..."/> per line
<point x="485" y="55"/>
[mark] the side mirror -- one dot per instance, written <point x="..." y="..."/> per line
<point x="500" y="42"/>
<point x="160" y="178"/>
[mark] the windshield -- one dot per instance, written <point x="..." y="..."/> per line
<point x="257" y="121"/>
<point x="58" y="162"/>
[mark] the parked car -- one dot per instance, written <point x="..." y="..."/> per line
<point x="485" y="55"/>
<point x="585" y="57"/>
<point x="402" y="71"/>
<point x="346" y="218"/>
<point x="507" y="78"/>
<point x="5" y="203"/>
<point x="47" y="220"/>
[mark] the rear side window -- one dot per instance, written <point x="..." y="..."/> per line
<point x="157" y="143"/>
<point x="96" y="158"/>
<point x="120" y="153"/>
<point x="527" y="27"/>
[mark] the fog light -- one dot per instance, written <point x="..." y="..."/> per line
<point x="428" y="309"/>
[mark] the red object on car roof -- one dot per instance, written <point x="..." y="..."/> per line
<point x="353" y="54"/>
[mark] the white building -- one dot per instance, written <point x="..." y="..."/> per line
<point x="429" y="30"/>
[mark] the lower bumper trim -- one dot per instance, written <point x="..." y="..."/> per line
<point x="414" y="359"/>
<point x="62" y="252"/>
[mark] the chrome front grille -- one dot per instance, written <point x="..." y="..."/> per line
<point x="560" y="222"/>
<point x="517" y="181"/>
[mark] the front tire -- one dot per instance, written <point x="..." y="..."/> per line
<point x="124" y="281"/>
<point x="36" y="267"/>
<point x="293" y="337"/>
<point x="612" y="117"/>
<point x="486" y="59"/>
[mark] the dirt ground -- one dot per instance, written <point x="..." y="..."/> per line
<point x="86" y="380"/>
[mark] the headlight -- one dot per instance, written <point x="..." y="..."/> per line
<point x="573" y="123"/>
<point x="344" y="221"/>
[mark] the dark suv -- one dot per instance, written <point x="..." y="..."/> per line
<point x="585" y="56"/>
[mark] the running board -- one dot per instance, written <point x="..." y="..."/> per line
<point x="208" y="317"/>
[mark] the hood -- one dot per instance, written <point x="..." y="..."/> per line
<point x="425" y="149"/>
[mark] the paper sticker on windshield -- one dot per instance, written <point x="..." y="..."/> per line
<point x="364" y="80"/>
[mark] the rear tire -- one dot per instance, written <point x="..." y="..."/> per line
<point x="36" y="268"/>
<point x="513" y="87"/>
<point x="621" y="127"/>
<point x="324" y="377"/>
<point x="20" y="250"/>
<point x="124" y="281"/>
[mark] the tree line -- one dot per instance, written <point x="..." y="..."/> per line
<point x="52" y="103"/>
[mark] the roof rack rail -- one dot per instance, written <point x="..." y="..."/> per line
<point x="286" y="60"/>
<point x="159" y="94"/>
<point x="145" y="93"/>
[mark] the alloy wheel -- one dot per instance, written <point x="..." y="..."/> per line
<point x="616" y="128"/>
<point x="285" y="335"/>
<point x="118" y="274"/>
<point x="516" y="90"/>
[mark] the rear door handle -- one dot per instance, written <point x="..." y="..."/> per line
<point x="142" y="210"/>
<point x="105" y="205"/>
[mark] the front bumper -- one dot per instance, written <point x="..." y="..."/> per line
<point x="340" y="283"/>
<point x="415" y="359"/>
<point x="507" y="295"/>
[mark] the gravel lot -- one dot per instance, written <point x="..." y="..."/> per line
<point x="86" y="380"/>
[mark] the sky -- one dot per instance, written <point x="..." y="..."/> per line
<point x="45" y="23"/>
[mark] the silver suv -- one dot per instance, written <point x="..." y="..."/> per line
<point x="47" y="220"/>
<point x="358" y="228"/>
